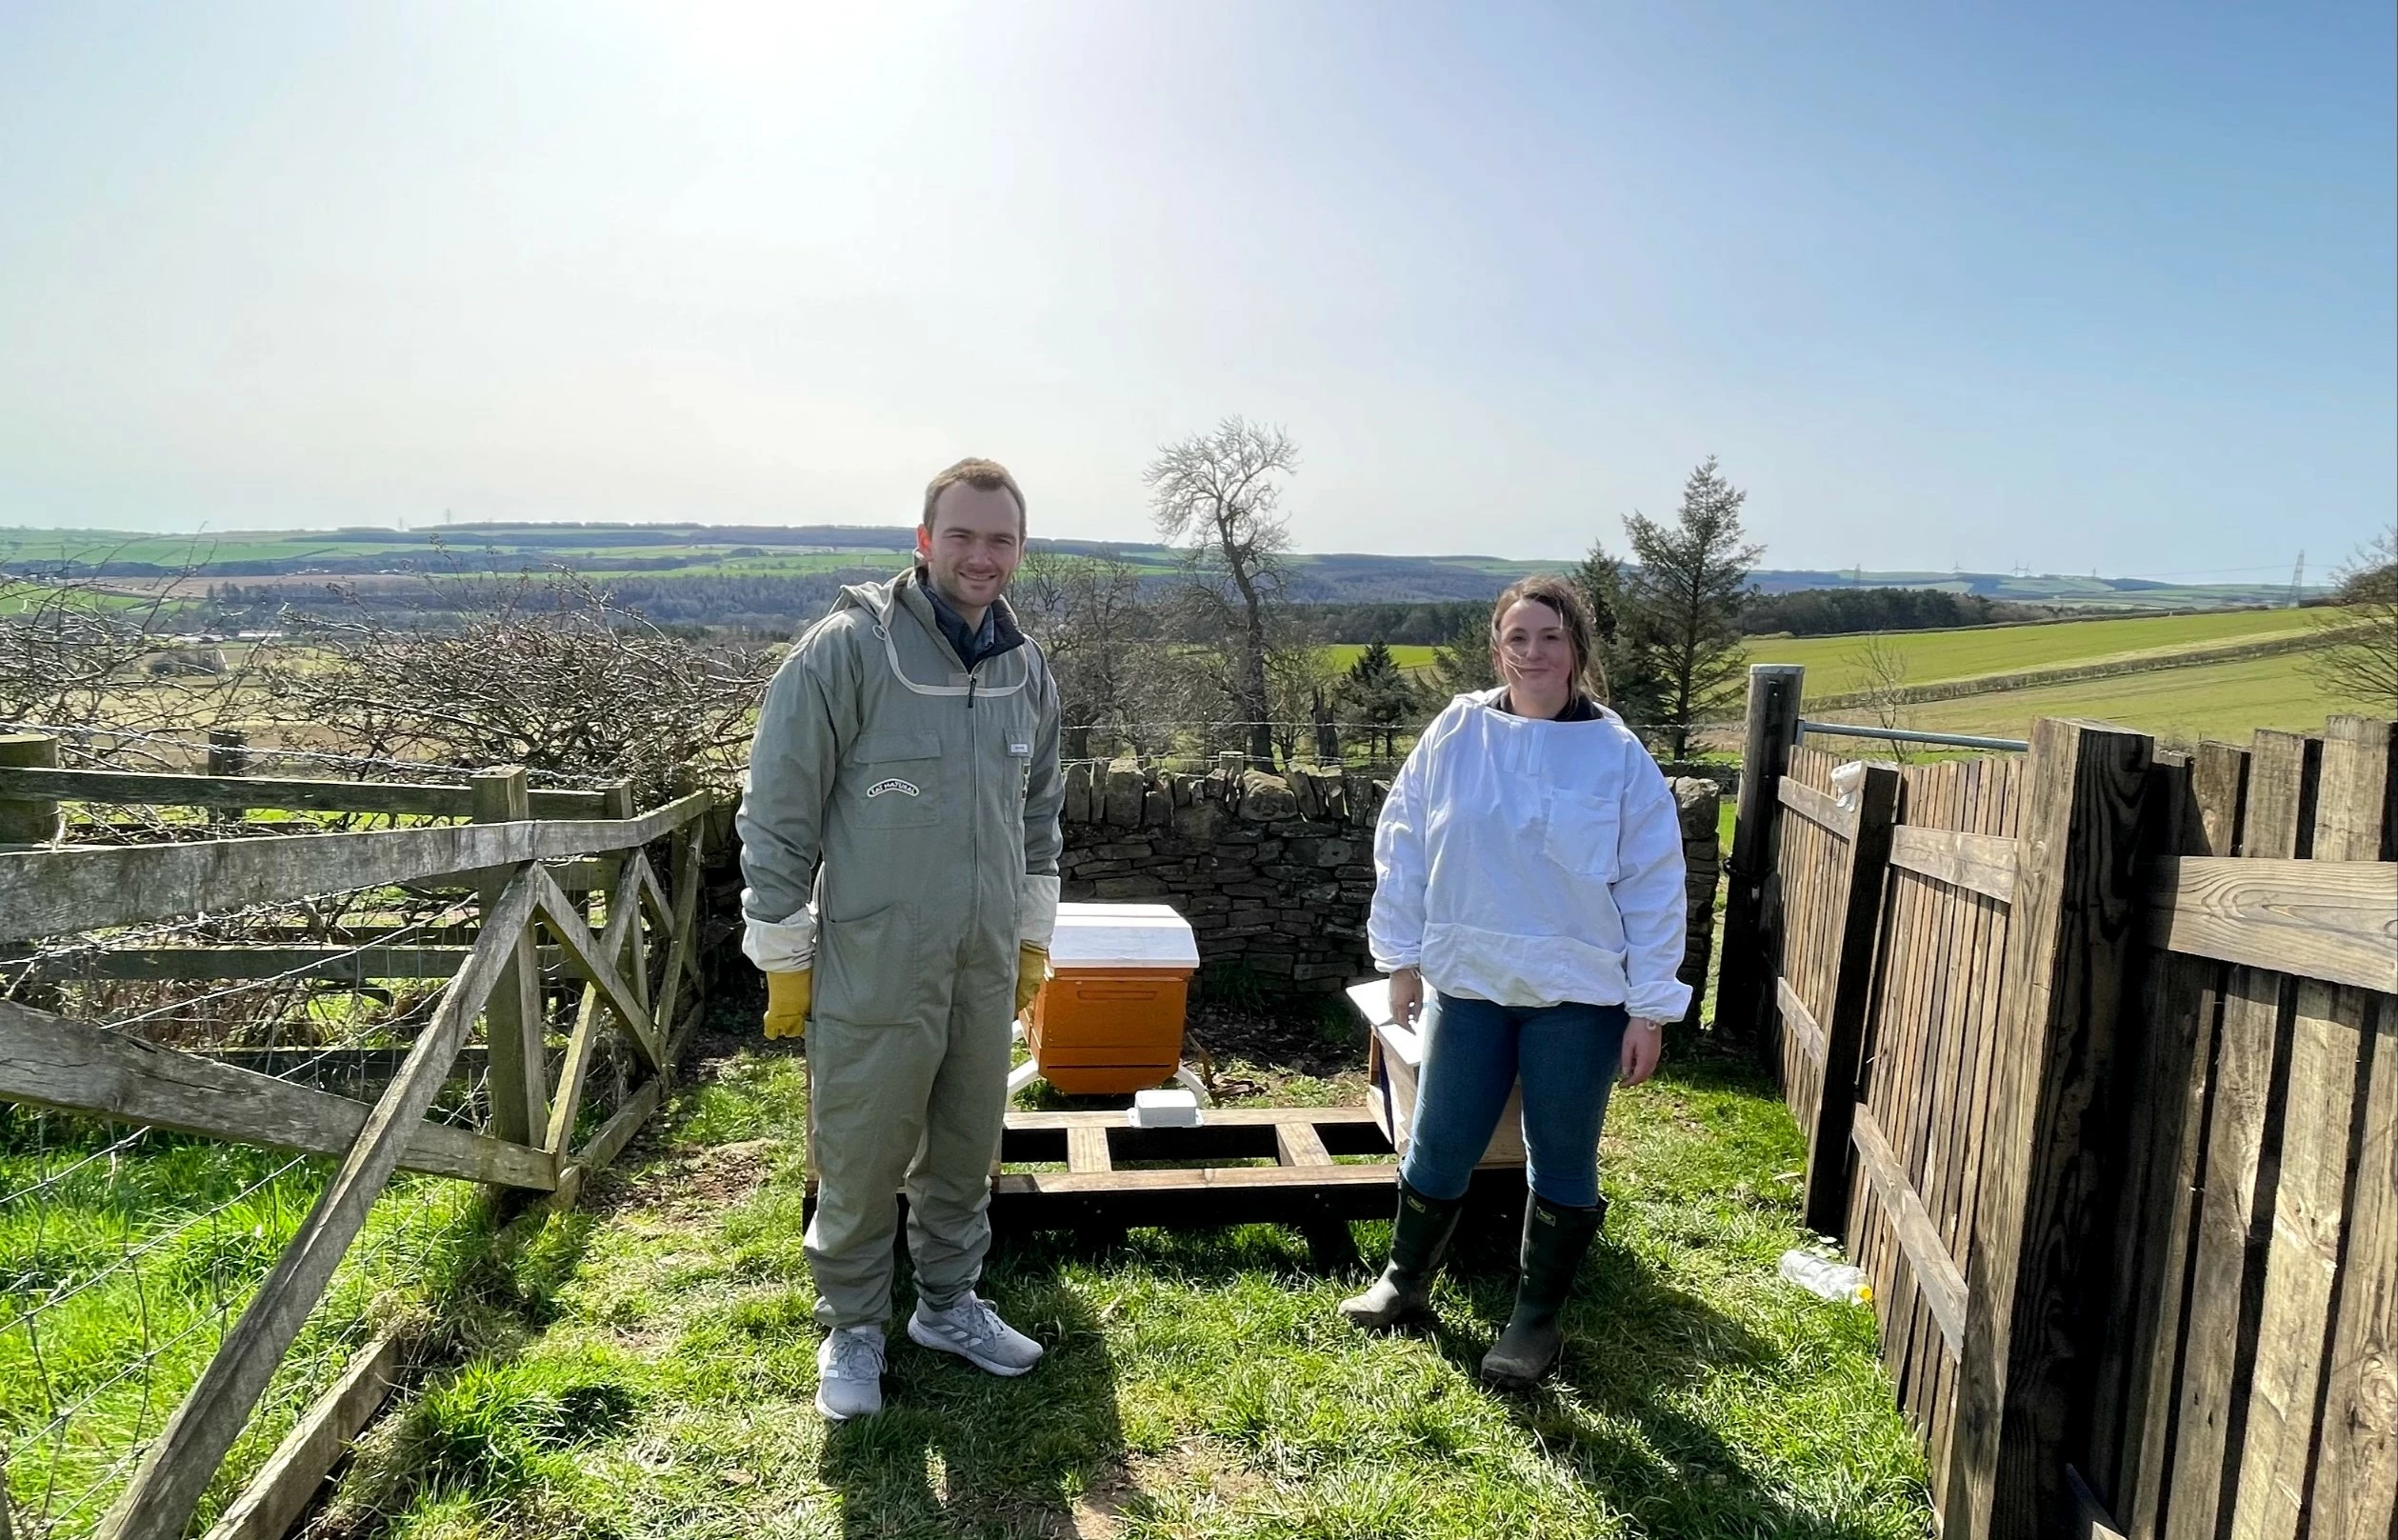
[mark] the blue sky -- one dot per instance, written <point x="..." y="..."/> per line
<point x="2081" y="288"/>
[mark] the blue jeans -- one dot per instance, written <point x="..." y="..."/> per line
<point x="1568" y="1055"/>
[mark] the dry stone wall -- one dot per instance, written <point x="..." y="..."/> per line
<point x="1275" y="873"/>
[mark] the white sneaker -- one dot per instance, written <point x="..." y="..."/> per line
<point x="850" y="1373"/>
<point x="973" y="1331"/>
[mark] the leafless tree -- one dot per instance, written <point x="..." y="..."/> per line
<point x="1217" y="495"/>
<point x="542" y="670"/>
<point x="80" y="651"/>
<point x="2359" y="656"/>
<point x="1882" y="667"/>
<point x="1101" y="640"/>
<point x="1299" y="674"/>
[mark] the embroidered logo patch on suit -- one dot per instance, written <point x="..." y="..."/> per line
<point x="892" y="785"/>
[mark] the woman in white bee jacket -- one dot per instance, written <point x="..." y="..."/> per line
<point x="900" y="843"/>
<point x="1528" y="871"/>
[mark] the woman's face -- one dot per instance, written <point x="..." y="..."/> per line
<point x="1532" y="653"/>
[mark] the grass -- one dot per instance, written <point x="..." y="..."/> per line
<point x="120" y="1275"/>
<point x="2178" y="706"/>
<point x="1986" y="650"/>
<point x="1197" y="1383"/>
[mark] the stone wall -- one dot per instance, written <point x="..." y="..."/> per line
<point x="1275" y="873"/>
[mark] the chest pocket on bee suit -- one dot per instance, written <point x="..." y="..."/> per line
<point x="1581" y="831"/>
<point x="894" y="780"/>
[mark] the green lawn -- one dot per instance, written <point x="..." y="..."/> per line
<point x="2179" y="705"/>
<point x="1833" y="667"/>
<point x="1198" y="1384"/>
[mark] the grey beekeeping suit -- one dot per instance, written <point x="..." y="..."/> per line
<point x="900" y="832"/>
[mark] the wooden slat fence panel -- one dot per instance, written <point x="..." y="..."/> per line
<point x="2126" y="1096"/>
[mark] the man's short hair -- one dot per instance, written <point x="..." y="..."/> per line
<point x="983" y="475"/>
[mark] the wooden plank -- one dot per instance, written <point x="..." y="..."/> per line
<point x="2331" y="920"/>
<point x="1376" y="1175"/>
<point x="59" y="891"/>
<point x="1319" y="1117"/>
<point x="27" y="820"/>
<point x="2236" y="1186"/>
<point x="1983" y="863"/>
<point x="618" y="1130"/>
<point x="683" y="950"/>
<point x="582" y="954"/>
<point x="2185" y="1011"/>
<point x="583" y="1040"/>
<point x="1086" y="1150"/>
<point x="516" y="1077"/>
<point x="1936" y="1276"/>
<point x="50" y="1061"/>
<point x="1850" y="934"/>
<point x="1298" y="1144"/>
<point x="2219" y="781"/>
<point x="1799" y="1023"/>
<point x="284" y="1485"/>
<point x="2356" y="1478"/>
<point x="2048" y="1183"/>
<point x="157" y="1503"/>
<point x="1817" y="807"/>
<point x="143" y="788"/>
<point x="2328" y="1046"/>
<point x="1742" y="996"/>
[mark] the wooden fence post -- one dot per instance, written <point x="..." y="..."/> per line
<point x="518" y="1079"/>
<point x="1828" y="1166"/>
<point x="229" y="754"/>
<point x="1744" y="994"/>
<point x="28" y="823"/>
<point x="2036" y="1296"/>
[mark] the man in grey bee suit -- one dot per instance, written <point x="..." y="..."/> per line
<point x="900" y="844"/>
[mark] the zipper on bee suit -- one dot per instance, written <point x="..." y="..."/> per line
<point x="973" y="811"/>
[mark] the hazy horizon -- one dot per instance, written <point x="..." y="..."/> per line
<point x="2041" y="288"/>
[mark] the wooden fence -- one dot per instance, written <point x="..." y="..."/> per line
<point x="2094" y="1053"/>
<point x="524" y="855"/>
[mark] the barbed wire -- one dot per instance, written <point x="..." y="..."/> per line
<point x="125" y="1256"/>
<point x="79" y="735"/>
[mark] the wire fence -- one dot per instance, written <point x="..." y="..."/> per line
<point x="126" y="1255"/>
<point x="92" y="746"/>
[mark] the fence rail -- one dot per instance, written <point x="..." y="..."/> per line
<point x="496" y="1011"/>
<point x="2097" y="1054"/>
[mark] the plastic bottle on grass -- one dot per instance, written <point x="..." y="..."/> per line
<point x="1827" y="1276"/>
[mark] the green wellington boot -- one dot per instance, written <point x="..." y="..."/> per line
<point x="1418" y="1236"/>
<point x="1555" y="1241"/>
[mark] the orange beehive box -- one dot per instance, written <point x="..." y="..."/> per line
<point x="1110" y="1017"/>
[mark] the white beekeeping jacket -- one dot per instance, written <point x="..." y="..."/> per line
<point x="1528" y="862"/>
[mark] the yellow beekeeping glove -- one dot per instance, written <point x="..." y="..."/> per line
<point x="1032" y="966"/>
<point x="787" y="999"/>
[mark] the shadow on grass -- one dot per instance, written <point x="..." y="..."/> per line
<point x="959" y="1453"/>
<point x="1610" y="1415"/>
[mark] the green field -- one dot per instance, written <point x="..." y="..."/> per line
<point x="2179" y="705"/>
<point x="1832" y="664"/>
<point x="1409" y="656"/>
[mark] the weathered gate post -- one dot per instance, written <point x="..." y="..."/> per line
<point x="1744" y="994"/>
<point x="27" y="821"/>
<point x="518" y="1079"/>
